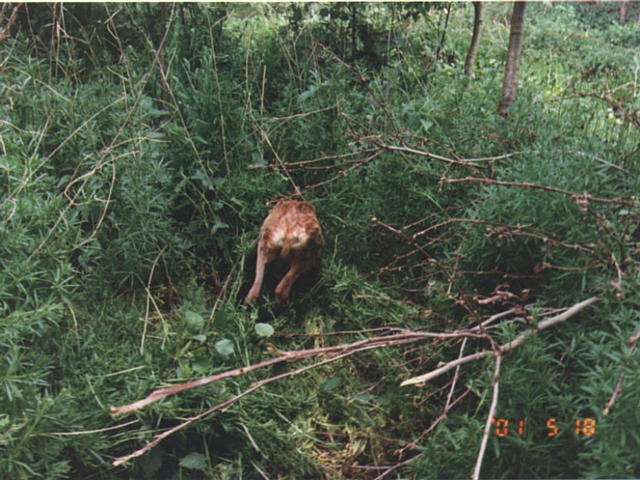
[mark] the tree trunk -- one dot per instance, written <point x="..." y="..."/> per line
<point x="162" y="50"/>
<point x="512" y="68"/>
<point x="624" y="8"/>
<point x="354" y="41"/>
<point x="475" y="40"/>
<point x="444" y="32"/>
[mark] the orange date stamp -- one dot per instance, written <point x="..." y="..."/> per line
<point x="585" y="427"/>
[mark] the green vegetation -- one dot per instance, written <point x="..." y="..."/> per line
<point x="141" y="146"/>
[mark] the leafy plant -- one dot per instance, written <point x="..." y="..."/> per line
<point x="141" y="148"/>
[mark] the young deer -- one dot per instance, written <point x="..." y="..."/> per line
<point x="291" y="232"/>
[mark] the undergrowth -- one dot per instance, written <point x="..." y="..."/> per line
<point x="143" y="144"/>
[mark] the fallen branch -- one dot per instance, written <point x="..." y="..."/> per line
<point x="519" y="340"/>
<point x="345" y="172"/>
<point x="332" y="354"/>
<point x="91" y="432"/>
<point x="617" y="284"/>
<point x="414" y="444"/>
<point x="424" y="153"/>
<point x="158" y="438"/>
<point x="633" y="341"/>
<point x="431" y="261"/>
<point x="487" y="426"/>
<point x="390" y="469"/>
<point x="338" y="353"/>
<point x="168" y="391"/>
<point x="578" y="198"/>
<point x="325" y="162"/>
<point x="406" y="336"/>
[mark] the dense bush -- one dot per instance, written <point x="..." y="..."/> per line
<point x="142" y="145"/>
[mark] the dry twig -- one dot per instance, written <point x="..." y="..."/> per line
<point x="633" y="341"/>
<point x="5" y="31"/>
<point x="332" y="354"/>
<point x="492" y="412"/>
<point x="519" y="340"/>
<point x="149" y="299"/>
<point x="578" y="198"/>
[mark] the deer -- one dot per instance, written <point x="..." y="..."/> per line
<point x="291" y="233"/>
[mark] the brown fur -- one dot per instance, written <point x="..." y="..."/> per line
<point x="291" y="232"/>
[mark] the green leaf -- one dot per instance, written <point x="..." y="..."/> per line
<point x="183" y="371"/>
<point x="204" y="179"/>
<point x="155" y="112"/>
<point x="221" y="318"/>
<point x="426" y="124"/>
<point x="257" y="160"/>
<point x="331" y="384"/>
<point x="263" y="329"/>
<point x="307" y="93"/>
<point x="151" y="463"/>
<point x="364" y="398"/>
<point x="194" y="461"/>
<point x="200" y="366"/>
<point x="224" y="347"/>
<point x="218" y="226"/>
<point x="200" y="139"/>
<point x="194" y="321"/>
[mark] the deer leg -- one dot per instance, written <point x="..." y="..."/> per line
<point x="283" y="290"/>
<point x="261" y="261"/>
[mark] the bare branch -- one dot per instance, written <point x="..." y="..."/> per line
<point x="97" y="430"/>
<point x="334" y="353"/>
<point x="575" y="196"/>
<point x="633" y="341"/>
<point x="519" y="340"/>
<point x="487" y="425"/>
<point x="149" y="299"/>
<point x="424" y="153"/>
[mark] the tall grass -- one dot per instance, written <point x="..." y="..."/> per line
<point x="139" y="158"/>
